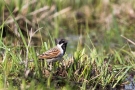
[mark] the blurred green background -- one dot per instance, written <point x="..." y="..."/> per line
<point x="93" y="29"/>
<point x="102" y="21"/>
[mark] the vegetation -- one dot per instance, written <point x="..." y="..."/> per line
<point x="100" y="52"/>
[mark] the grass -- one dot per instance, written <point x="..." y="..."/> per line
<point x="97" y="57"/>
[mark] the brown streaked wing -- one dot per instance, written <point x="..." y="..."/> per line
<point x="54" y="52"/>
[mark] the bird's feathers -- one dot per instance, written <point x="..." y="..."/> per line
<point x="55" y="53"/>
<point x="52" y="53"/>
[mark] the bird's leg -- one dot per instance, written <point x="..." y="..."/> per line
<point x="50" y="66"/>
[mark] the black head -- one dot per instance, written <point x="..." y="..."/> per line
<point x="62" y="42"/>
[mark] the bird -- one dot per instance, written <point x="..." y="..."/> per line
<point x="56" y="53"/>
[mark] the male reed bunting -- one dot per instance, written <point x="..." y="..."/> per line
<point x="55" y="53"/>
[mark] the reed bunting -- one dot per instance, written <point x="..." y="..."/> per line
<point x="55" y="53"/>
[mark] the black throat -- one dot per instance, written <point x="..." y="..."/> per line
<point x="64" y="47"/>
<point x="64" y="44"/>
